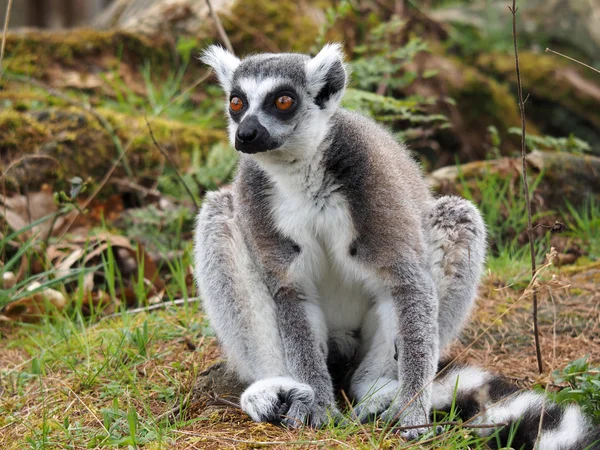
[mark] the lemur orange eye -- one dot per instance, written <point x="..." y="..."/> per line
<point x="236" y="104"/>
<point x="284" y="102"/>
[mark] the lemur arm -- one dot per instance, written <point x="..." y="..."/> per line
<point x="305" y="356"/>
<point x="417" y="343"/>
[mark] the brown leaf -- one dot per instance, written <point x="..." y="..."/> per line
<point x="21" y="210"/>
<point x="30" y="309"/>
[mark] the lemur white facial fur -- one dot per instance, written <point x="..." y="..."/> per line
<point x="329" y="249"/>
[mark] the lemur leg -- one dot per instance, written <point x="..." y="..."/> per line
<point x="456" y="241"/>
<point x="374" y="384"/>
<point x="456" y="245"/>
<point x="243" y="313"/>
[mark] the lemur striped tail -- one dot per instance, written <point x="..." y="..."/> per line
<point x="484" y="398"/>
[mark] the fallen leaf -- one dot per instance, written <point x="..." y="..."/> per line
<point x="19" y="211"/>
<point x="30" y="309"/>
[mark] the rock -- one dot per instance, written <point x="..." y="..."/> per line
<point x="566" y="177"/>
<point x="564" y="98"/>
<point x="67" y="55"/>
<point x="251" y="25"/>
<point x="212" y="385"/>
<point x="155" y="17"/>
<point x="477" y="101"/>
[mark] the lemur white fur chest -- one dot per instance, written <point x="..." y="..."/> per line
<point x="308" y="209"/>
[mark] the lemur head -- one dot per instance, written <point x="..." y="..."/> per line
<point x="279" y="101"/>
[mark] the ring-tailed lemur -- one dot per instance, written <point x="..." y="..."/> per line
<point x="330" y="247"/>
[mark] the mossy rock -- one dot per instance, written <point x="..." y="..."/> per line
<point x="564" y="98"/>
<point x="474" y="102"/>
<point x="272" y="26"/>
<point x="35" y="53"/>
<point x="71" y="142"/>
<point x="564" y="177"/>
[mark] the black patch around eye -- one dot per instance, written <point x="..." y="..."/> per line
<point x="237" y="116"/>
<point x="270" y="99"/>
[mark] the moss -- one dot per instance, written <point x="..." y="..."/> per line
<point x="550" y="80"/>
<point x="483" y="101"/>
<point x="583" y="265"/>
<point x="38" y="53"/>
<point x="262" y="25"/>
<point x="75" y="144"/>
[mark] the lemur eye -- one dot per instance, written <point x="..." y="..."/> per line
<point x="236" y="104"/>
<point x="284" y="102"/>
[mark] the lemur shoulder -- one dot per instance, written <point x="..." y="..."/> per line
<point x="329" y="251"/>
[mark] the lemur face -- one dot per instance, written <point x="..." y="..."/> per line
<point x="279" y="101"/>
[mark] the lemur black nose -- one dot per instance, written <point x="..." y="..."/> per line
<point x="253" y="137"/>
<point x="248" y="129"/>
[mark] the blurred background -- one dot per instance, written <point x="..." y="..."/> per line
<point x="54" y="13"/>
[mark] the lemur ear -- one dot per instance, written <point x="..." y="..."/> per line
<point x="222" y="62"/>
<point x="326" y="76"/>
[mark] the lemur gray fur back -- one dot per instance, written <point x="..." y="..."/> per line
<point x="329" y="246"/>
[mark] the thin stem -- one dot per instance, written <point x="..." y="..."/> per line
<point x="168" y="158"/>
<point x="220" y="28"/>
<point x="6" y="20"/>
<point x="572" y="59"/>
<point x="536" y="333"/>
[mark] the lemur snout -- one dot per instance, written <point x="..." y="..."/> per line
<point x="248" y="130"/>
<point x="253" y="137"/>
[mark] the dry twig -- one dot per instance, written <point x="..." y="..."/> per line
<point x="168" y="158"/>
<point x="536" y="332"/>
<point x="6" y="20"/>
<point x="162" y="305"/>
<point x="219" y="26"/>
<point x="572" y="59"/>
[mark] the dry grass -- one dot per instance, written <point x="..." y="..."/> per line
<point x="59" y="370"/>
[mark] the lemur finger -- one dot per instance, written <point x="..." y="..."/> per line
<point x="296" y="416"/>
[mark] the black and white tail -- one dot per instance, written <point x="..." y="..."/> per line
<point x="531" y="420"/>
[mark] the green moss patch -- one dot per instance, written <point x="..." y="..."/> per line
<point x="74" y="143"/>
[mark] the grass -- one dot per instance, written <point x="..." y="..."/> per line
<point x="74" y="384"/>
<point x="584" y="224"/>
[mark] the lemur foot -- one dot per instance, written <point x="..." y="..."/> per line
<point x="315" y="416"/>
<point x="270" y="399"/>
<point x="287" y="402"/>
<point x="407" y="417"/>
<point x="375" y="398"/>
